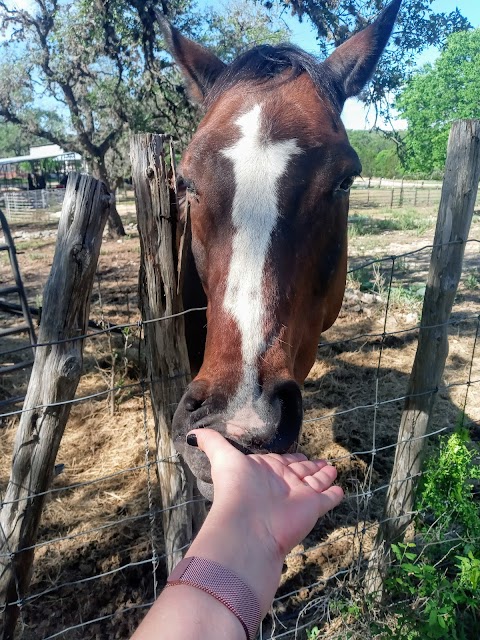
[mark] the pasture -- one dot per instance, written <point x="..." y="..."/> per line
<point x="98" y="561"/>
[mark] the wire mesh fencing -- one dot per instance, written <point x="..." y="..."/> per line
<point x="99" y="558"/>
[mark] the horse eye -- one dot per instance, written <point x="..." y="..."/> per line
<point x="346" y="184"/>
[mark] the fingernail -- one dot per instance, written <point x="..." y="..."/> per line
<point x="192" y="440"/>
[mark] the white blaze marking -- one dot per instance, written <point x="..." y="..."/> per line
<point x="258" y="165"/>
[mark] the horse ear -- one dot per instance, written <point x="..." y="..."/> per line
<point x="199" y="66"/>
<point x="354" y="61"/>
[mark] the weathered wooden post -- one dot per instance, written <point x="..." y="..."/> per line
<point x="459" y="191"/>
<point x="160" y="297"/>
<point x="55" y="376"/>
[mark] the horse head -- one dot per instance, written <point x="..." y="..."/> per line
<point x="267" y="175"/>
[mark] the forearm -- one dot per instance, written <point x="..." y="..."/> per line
<point x="188" y="613"/>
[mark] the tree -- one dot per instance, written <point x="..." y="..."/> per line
<point x="377" y="153"/>
<point x="13" y="142"/>
<point x="417" y="28"/>
<point x="66" y="55"/>
<point x="246" y="24"/>
<point x="103" y="68"/>
<point x="46" y="54"/>
<point x="436" y="96"/>
<point x="367" y="144"/>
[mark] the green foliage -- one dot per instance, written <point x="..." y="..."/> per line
<point x="436" y="96"/>
<point x="313" y="633"/>
<point x="472" y="281"/>
<point x="440" y="574"/>
<point x="13" y="142"/>
<point x="447" y="490"/>
<point x="445" y="601"/>
<point x="377" y="153"/>
<point x="102" y="68"/>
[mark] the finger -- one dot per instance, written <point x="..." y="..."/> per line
<point x="307" y="467"/>
<point x="213" y="444"/>
<point x="321" y="480"/>
<point x="288" y="458"/>
<point x="329" y="499"/>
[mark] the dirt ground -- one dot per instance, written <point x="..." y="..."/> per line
<point x="94" y="571"/>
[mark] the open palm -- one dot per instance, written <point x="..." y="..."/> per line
<point x="285" y="493"/>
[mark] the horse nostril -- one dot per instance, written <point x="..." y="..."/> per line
<point x="289" y="396"/>
<point x="192" y="403"/>
<point x="195" y="396"/>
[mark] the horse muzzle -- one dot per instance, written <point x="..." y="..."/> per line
<point x="270" y="423"/>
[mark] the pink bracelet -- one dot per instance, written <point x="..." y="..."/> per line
<point x="224" y="586"/>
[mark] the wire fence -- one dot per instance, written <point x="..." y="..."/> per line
<point x="99" y="556"/>
<point x="28" y="206"/>
<point x="367" y="193"/>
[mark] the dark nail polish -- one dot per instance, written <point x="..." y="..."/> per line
<point x="192" y="440"/>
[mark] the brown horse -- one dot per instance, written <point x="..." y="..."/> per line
<point x="268" y="175"/>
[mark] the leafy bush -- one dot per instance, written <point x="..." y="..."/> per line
<point x="440" y="573"/>
<point x="447" y="490"/>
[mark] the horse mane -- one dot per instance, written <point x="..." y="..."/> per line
<point x="264" y="62"/>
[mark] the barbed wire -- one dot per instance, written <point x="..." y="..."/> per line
<point x="372" y="405"/>
<point x="102" y="527"/>
<point x="82" y="625"/>
<point x="329" y="542"/>
<point x="417" y="327"/>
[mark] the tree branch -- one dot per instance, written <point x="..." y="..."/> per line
<point x="35" y="129"/>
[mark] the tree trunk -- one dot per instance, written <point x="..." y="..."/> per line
<point x="114" y="224"/>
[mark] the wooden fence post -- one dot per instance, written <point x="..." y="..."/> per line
<point x="459" y="191"/>
<point x="53" y="382"/>
<point x="168" y="363"/>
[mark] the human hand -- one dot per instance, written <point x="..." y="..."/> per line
<point x="277" y="498"/>
<point x="263" y="506"/>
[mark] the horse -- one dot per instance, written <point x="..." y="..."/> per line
<point x="267" y="175"/>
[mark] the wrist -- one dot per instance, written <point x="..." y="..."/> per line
<point x="242" y="546"/>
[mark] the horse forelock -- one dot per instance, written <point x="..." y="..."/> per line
<point x="266" y="62"/>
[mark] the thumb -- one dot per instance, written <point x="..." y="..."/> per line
<point x="213" y="444"/>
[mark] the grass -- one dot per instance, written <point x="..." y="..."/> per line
<point x="411" y="295"/>
<point x="37" y="256"/>
<point x="387" y="220"/>
<point x="371" y="279"/>
<point x="472" y="280"/>
<point x="34" y="243"/>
